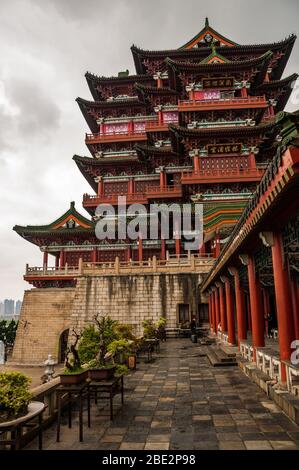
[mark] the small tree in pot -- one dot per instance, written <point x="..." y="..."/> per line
<point x="14" y="395"/>
<point x="73" y="372"/>
<point x="93" y="347"/>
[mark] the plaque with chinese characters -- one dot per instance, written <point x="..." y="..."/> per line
<point x="215" y="149"/>
<point x="225" y="82"/>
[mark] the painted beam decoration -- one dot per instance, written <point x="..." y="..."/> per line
<point x="223" y="148"/>
<point x="222" y="82"/>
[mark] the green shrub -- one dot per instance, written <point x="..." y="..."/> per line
<point x="121" y="369"/>
<point x="14" y="394"/>
<point x="149" y="329"/>
<point x="120" y="346"/>
<point x="125" y="331"/>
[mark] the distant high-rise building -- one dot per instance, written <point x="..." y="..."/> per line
<point x="18" y="307"/>
<point x="9" y="307"/>
<point x="1" y="308"/>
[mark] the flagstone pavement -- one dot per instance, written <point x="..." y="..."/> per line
<point x="180" y="402"/>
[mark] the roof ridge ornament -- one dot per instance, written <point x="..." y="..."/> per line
<point x="207" y="22"/>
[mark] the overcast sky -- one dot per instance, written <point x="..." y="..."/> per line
<point x="46" y="46"/>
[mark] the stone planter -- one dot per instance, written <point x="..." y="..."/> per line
<point x="73" y="379"/>
<point x="101" y="374"/>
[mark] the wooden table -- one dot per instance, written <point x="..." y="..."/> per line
<point x="15" y="427"/>
<point x="73" y="393"/>
<point x="107" y="389"/>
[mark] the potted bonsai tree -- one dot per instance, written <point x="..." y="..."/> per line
<point x="14" y="395"/>
<point x="73" y="372"/>
<point x="93" y="348"/>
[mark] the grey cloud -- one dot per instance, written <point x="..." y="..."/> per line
<point x="46" y="46"/>
<point x="38" y="113"/>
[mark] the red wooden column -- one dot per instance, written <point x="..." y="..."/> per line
<point x="162" y="177"/>
<point x="62" y="258"/>
<point x="213" y="311"/>
<point x="244" y="93"/>
<point x="131" y="186"/>
<point x="94" y="255"/>
<point x="140" y="250"/>
<point x="240" y="306"/>
<point x="256" y="308"/>
<point x="247" y="301"/>
<point x="283" y="301"/>
<point x="252" y="161"/>
<point x="217" y="245"/>
<point x="57" y="261"/>
<point x="45" y="259"/>
<point x="222" y="306"/>
<point x="129" y="254"/>
<point x="210" y="309"/>
<point x="100" y="186"/>
<point x="295" y="305"/>
<point x="196" y="164"/>
<point x="217" y="309"/>
<point x="229" y="311"/>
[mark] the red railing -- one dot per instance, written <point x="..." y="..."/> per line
<point x="115" y="136"/>
<point x="172" y="191"/>
<point x="142" y="197"/>
<point x="95" y="200"/>
<point x="222" y="174"/>
<point x="250" y="101"/>
<point x="158" y="126"/>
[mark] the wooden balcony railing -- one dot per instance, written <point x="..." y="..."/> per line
<point x="95" y="200"/>
<point x="219" y="175"/>
<point x="141" y="198"/>
<point x="223" y="103"/>
<point x="184" y="263"/>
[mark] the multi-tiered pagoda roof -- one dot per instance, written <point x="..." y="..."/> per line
<point x="196" y="123"/>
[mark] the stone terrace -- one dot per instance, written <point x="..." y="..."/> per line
<point x="181" y="402"/>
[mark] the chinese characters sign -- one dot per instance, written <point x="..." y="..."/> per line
<point x="218" y="82"/>
<point x="207" y="95"/>
<point x="224" y="148"/>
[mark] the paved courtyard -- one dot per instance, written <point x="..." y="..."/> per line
<point x="181" y="402"/>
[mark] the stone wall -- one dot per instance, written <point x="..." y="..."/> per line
<point x="131" y="299"/>
<point x="46" y="313"/>
<point x="44" y="316"/>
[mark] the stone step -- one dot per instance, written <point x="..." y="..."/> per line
<point x="217" y="358"/>
<point x="230" y="351"/>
